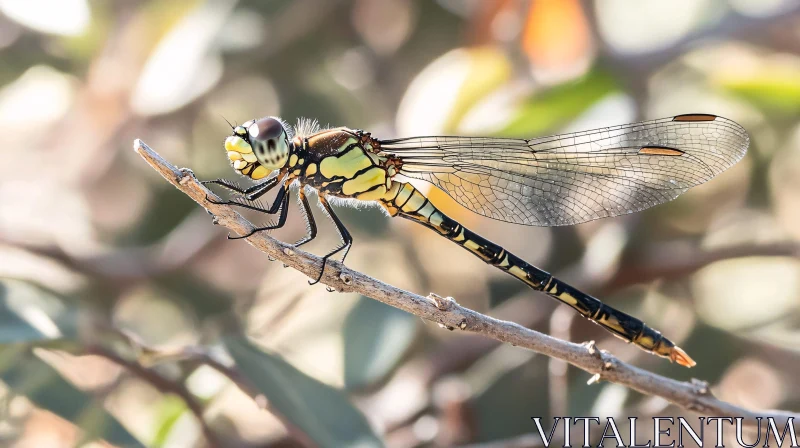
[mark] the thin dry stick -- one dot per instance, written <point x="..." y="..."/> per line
<point x="694" y="396"/>
<point x="165" y="386"/>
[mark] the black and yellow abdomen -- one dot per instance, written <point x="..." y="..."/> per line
<point x="404" y="200"/>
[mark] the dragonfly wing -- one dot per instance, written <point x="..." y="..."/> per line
<point x="572" y="178"/>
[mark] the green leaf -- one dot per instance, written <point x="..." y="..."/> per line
<point x="489" y="68"/>
<point x="40" y="383"/>
<point x="170" y="410"/>
<point x="777" y="91"/>
<point x="549" y="109"/>
<point x="29" y="313"/>
<point x="375" y="336"/>
<point x="322" y="412"/>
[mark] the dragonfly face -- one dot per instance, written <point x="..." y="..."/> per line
<point x="258" y="147"/>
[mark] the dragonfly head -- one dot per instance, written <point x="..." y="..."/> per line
<point x="258" y="147"/>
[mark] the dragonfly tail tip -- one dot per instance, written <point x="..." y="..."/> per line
<point x="681" y="357"/>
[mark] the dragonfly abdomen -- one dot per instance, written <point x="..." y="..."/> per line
<point x="406" y="201"/>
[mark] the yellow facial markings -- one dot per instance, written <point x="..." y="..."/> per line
<point x="345" y="165"/>
<point x="365" y="181"/>
<point x="250" y="157"/>
<point x="236" y="143"/>
<point x="311" y="169"/>
<point x="414" y="202"/>
<point x="239" y="164"/>
<point x="233" y="156"/>
<point x="293" y="160"/>
<point x="259" y="173"/>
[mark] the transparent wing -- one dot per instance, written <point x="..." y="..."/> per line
<point x="573" y="178"/>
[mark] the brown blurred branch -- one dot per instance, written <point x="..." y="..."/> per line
<point x="185" y="242"/>
<point x="693" y="396"/>
<point x="732" y="25"/>
<point x="148" y="357"/>
<point x="165" y="386"/>
<point x="678" y="260"/>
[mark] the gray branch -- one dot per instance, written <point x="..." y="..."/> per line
<point x="694" y="396"/>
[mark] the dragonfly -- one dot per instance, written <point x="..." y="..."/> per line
<point x="548" y="181"/>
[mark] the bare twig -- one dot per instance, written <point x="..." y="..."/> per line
<point x="448" y="313"/>
<point x="677" y="260"/>
<point x="148" y="356"/>
<point x="180" y="246"/>
<point x="165" y="386"/>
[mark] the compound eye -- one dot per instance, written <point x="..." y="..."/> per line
<point x="266" y="129"/>
<point x="270" y="143"/>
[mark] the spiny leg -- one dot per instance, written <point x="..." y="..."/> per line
<point x="267" y="186"/>
<point x="250" y="194"/>
<point x="311" y="225"/>
<point x="230" y="185"/>
<point x="344" y="235"/>
<point x="276" y="205"/>
<point x="281" y="203"/>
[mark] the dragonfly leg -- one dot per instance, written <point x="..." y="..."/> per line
<point x="344" y="234"/>
<point x="233" y="186"/>
<point x="266" y="187"/>
<point x="230" y="185"/>
<point x="281" y="203"/>
<point x="250" y="194"/>
<point x="311" y="225"/>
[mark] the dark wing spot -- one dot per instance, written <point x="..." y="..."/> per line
<point x="694" y="117"/>
<point x="660" y="151"/>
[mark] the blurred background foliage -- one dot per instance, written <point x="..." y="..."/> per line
<point x="127" y="319"/>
